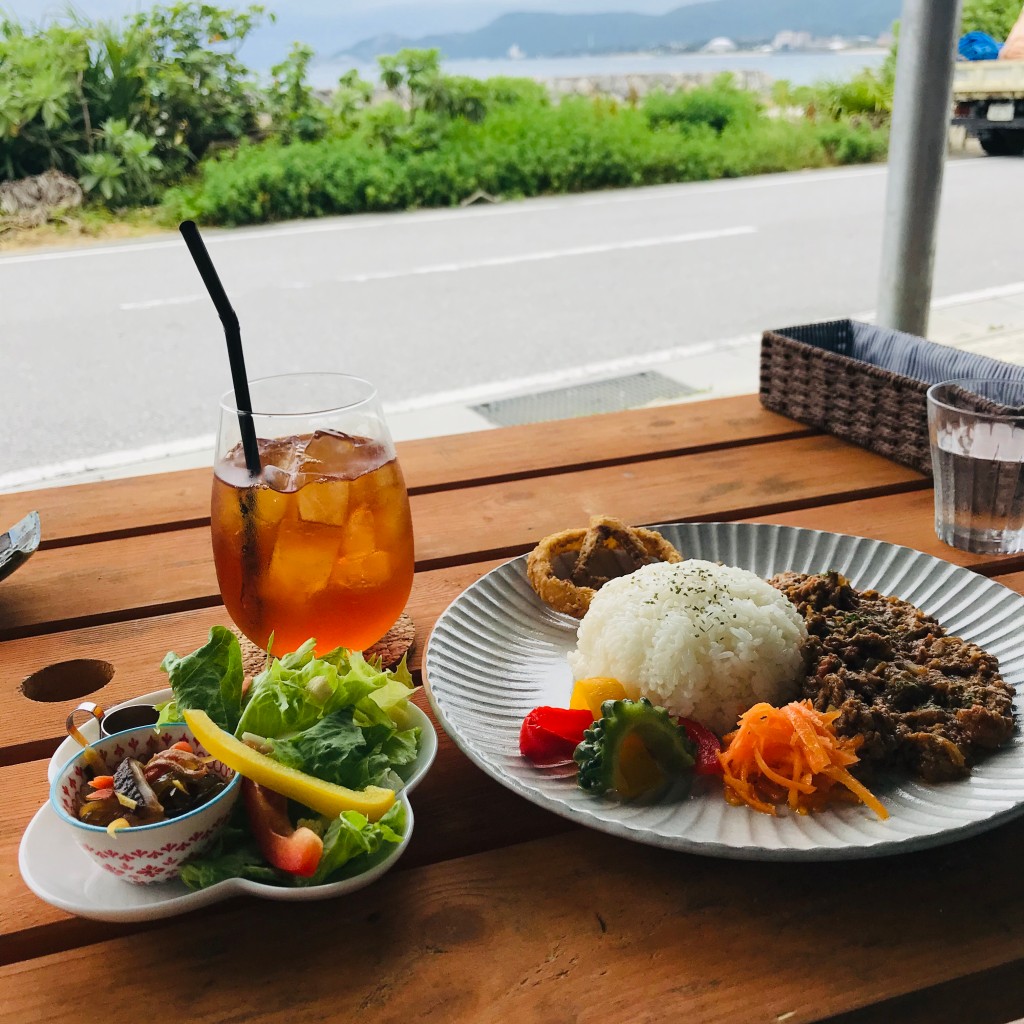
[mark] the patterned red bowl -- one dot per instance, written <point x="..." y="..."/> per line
<point x="143" y="854"/>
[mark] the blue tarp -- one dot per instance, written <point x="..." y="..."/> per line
<point x="978" y="46"/>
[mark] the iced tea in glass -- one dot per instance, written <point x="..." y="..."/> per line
<point x="321" y="543"/>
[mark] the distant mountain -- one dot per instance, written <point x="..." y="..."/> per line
<point x="554" y="35"/>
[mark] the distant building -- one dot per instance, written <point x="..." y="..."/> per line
<point x="515" y="53"/>
<point x="719" y="45"/>
<point x="789" y="40"/>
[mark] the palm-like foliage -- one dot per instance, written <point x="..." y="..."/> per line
<point x="128" y="105"/>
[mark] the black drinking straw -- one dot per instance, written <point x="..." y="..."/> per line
<point x="233" y="336"/>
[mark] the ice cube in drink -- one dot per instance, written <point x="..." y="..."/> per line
<point x="301" y="562"/>
<point x="324" y="501"/>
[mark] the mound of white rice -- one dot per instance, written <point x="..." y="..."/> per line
<point x="705" y="641"/>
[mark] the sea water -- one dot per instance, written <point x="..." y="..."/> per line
<point x="798" y="68"/>
<point x="979" y="487"/>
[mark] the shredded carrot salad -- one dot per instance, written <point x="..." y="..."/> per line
<point x="791" y="755"/>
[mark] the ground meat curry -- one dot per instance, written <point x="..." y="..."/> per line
<point x="922" y="700"/>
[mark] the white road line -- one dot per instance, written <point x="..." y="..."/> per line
<point x="181" y="300"/>
<point x="103" y="250"/>
<point x="541" y="204"/>
<point x="21" y="479"/>
<point x="314" y="228"/>
<point x="548" y="254"/>
<point x="108" y="460"/>
<point x="496" y="261"/>
<point x="1000" y="291"/>
<point x="996" y="292"/>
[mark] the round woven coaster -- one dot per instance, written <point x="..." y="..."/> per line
<point x="395" y="644"/>
<point x="390" y="648"/>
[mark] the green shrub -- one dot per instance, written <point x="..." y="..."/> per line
<point x="503" y="91"/>
<point x="717" y="106"/>
<point x="868" y="94"/>
<point x="846" y="142"/>
<point x="520" y="149"/>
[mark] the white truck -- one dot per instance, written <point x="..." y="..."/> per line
<point x="988" y="100"/>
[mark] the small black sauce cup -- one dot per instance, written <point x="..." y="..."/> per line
<point x="130" y="716"/>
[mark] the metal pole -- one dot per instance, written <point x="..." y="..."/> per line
<point x="920" y="127"/>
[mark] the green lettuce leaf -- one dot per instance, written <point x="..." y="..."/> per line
<point x="351" y="842"/>
<point x="402" y="747"/>
<point x="209" y="679"/>
<point x="339" y="750"/>
<point x="168" y="714"/>
<point x="298" y="690"/>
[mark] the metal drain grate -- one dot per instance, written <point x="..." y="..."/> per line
<point x="613" y="395"/>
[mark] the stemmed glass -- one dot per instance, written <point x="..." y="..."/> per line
<point x="320" y="544"/>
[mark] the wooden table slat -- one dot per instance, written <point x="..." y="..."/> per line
<point x="120" y="579"/>
<point x="177" y="500"/>
<point x="993" y="996"/>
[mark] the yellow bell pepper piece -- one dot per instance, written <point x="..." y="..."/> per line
<point x="323" y="797"/>
<point x="591" y="693"/>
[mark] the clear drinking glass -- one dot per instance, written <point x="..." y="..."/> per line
<point x="321" y="544"/>
<point x="976" y="428"/>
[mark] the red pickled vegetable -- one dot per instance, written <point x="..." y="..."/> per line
<point x="709" y="746"/>
<point x="102" y="782"/>
<point x="549" y="735"/>
<point x="183" y="745"/>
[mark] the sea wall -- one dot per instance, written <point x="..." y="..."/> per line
<point x="623" y="87"/>
<point x="632" y="87"/>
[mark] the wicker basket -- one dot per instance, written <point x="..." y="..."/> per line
<point x="865" y="384"/>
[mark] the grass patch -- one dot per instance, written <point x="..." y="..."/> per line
<point x="87" y="225"/>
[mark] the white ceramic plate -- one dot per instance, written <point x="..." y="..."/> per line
<point x="411" y="773"/>
<point x="498" y="651"/>
<point x="57" y="871"/>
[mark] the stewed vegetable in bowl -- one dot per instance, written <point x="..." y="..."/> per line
<point x="143" y="801"/>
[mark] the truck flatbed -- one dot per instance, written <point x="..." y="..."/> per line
<point x="988" y="100"/>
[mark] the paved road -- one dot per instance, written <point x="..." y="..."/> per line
<point x="115" y="347"/>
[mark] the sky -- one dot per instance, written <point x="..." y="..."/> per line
<point x="330" y="25"/>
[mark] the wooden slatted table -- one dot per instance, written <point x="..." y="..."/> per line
<point x="499" y="911"/>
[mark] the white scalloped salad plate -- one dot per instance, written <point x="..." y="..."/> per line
<point x="64" y="876"/>
<point x="498" y="651"/>
<point x="61" y="874"/>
